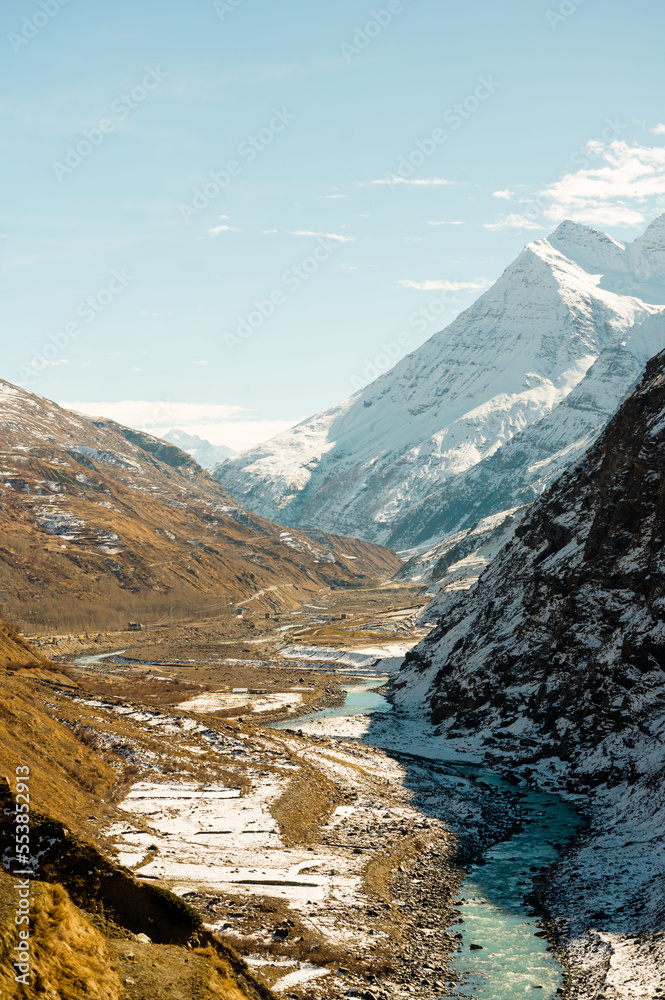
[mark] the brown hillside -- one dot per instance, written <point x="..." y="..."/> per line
<point x="85" y="909"/>
<point x="66" y="777"/>
<point x="15" y="651"/>
<point x="93" y="514"/>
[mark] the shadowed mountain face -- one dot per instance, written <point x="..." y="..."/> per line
<point x="553" y="665"/>
<point x="484" y="415"/>
<point x="564" y="635"/>
<point x="93" y="514"/>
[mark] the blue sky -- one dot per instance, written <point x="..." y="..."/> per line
<point x="376" y="167"/>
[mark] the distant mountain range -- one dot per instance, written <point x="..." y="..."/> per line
<point x="459" y="436"/>
<point x="98" y="520"/>
<point x="206" y="454"/>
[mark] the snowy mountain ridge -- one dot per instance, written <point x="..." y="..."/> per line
<point x="468" y="514"/>
<point x="202" y="451"/>
<point x="374" y="464"/>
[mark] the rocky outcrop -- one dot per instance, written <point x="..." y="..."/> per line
<point x="565" y="631"/>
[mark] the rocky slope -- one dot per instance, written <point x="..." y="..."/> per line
<point x="554" y="664"/>
<point x="409" y="458"/>
<point x="96" y="518"/>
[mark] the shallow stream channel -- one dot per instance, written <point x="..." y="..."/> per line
<point x="516" y="834"/>
<point x="503" y="951"/>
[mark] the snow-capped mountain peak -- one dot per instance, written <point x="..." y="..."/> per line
<point x="589" y="248"/>
<point x="647" y="252"/>
<point x="502" y="366"/>
<point x="204" y="452"/>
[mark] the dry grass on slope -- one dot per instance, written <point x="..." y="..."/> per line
<point x="67" y="780"/>
<point x="101" y="524"/>
<point x="305" y="805"/>
<point x="69" y="958"/>
<point x="15" y="651"/>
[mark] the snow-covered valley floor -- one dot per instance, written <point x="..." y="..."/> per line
<point x="224" y="848"/>
<point x="371" y="886"/>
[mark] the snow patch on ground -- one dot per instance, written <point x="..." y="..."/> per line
<point x="216" y="701"/>
<point x="387" y="657"/>
<point x="304" y="975"/>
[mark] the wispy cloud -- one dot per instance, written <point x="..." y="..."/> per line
<point x="506" y="193"/>
<point x="622" y="191"/>
<point x="446" y="222"/>
<point x="415" y="181"/>
<point x="141" y="413"/>
<point x="329" y="236"/>
<point x="223" y="229"/>
<point x="446" y="286"/>
<point x="514" y="221"/>
<point x="200" y="364"/>
<point x="658" y="130"/>
<point x="312" y="232"/>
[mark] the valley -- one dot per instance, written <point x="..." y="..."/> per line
<point x="273" y="760"/>
<point x="329" y="865"/>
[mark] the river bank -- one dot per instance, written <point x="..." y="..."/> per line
<point x="292" y="849"/>
<point x="392" y="882"/>
<point x="507" y="836"/>
<point x="403" y="819"/>
<point x="381" y="781"/>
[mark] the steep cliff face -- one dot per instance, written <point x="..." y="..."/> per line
<point x="553" y="666"/>
<point x="473" y="422"/>
<point x="565" y="632"/>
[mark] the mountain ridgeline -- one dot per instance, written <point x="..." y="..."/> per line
<point x="100" y="523"/>
<point x="480" y="419"/>
<point x="563" y="637"/>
